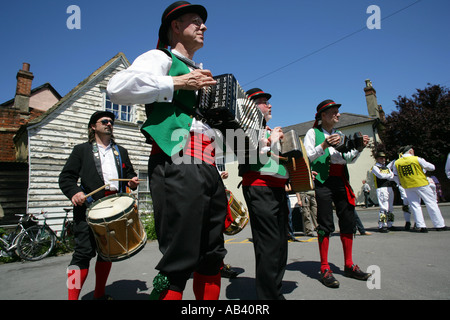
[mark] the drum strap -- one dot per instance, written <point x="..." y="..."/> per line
<point x="96" y="154"/>
<point x="98" y="164"/>
<point x="118" y="164"/>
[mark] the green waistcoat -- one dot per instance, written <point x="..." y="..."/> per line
<point x="166" y="123"/>
<point x="322" y="164"/>
<point x="269" y="166"/>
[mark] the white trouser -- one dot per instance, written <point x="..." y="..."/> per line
<point x="385" y="197"/>
<point x="426" y="194"/>
<point x="404" y="197"/>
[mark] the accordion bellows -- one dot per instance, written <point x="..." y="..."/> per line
<point x="227" y="106"/>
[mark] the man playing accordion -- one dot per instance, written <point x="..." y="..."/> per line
<point x="332" y="186"/>
<point x="189" y="198"/>
<point x="263" y="184"/>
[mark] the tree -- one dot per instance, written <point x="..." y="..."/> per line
<point x="422" y="121"/>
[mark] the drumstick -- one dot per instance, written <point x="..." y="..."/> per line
<point x="96" y="190"/>
<point x="125" y="180"/>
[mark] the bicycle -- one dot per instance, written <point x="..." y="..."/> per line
<point x="9" y="243"/>
<point x="39" y="241"/>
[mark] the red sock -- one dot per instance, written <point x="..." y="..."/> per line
<point x="171" y="295"/>
<point x="323" y="250"/>
<point x="347" y="244"/>
<point x="75" y="281"/>
<point x="102" y="269"/>
<point x="206" y="287"/>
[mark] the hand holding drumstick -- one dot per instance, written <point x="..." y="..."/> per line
<point x="79" y="198"/>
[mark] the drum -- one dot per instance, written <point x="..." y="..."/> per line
<point x="117" y="228"/>
<point x="237" y="216"/>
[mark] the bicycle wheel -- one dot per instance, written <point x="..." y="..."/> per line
<point x="68" y="238"/>
<point x="36" y="243"/>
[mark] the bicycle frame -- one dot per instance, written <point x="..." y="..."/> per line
<point x="10" y="244"/>
<point x="62" y="236"/>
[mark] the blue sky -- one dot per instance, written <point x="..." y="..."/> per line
<point x="301" y="51"/>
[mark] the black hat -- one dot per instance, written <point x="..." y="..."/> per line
<point x="325" y="105"/>
<point x="100" y="114"/>
<point x="256" y="93"/>
<point x="405" y="149"/>
<point x="174" y="11"/>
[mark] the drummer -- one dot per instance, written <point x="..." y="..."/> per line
<point x="95" y="162"/>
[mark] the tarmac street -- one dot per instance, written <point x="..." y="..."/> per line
<point x="406" y="266"/>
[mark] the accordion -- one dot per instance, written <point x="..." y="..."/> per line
<point x="226" y="106"/>
<point x="350" y="142"/>
<point x="297" y="162"/>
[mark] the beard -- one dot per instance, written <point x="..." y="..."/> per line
<point x="267" y="116"/>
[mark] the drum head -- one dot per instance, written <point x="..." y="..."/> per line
<point x="110" y="207"/>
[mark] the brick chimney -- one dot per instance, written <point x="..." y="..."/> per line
<point x="371" y="100"/>
<point x="23" y="90"/>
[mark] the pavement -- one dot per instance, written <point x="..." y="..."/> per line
<point x="406" y="266"/>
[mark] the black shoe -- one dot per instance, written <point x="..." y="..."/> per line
<point x="355" y="272"/>
<point x="423" y="230"/>
<point x="227" y="272"/>
<point x="328" y="279"/>
<point x="407" y="226"/>
<point x="383" y="230"/>
<point x="442" y="229"/>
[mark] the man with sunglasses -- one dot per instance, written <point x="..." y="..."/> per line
<point x="189" y="198"/>
<point x="96" y="163"/>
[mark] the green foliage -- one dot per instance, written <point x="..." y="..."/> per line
<point x="421" y="121"/>
<point x="148" y="222"/>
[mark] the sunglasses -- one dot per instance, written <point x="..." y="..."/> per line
<point x="105" y="122"/>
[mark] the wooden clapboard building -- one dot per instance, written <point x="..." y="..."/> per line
<point x="44" y="142"/>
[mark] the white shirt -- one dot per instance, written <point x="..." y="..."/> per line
<point x="336" y="157"/>
<point x="382" y="175"/>
<point x="109" y="168"/>
<point x="147" y="81"/>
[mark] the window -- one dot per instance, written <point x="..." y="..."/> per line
<point x="144" y="198"/>
<point x="123" y="113"/>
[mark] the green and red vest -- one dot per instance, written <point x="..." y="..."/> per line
<point x="322" y="164"/>
<point x="167" y="124"/>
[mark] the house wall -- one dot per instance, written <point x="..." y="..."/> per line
<point x="43" y="100"/>
<point x="362" y="168"/>
<point x="51" y="141"/>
